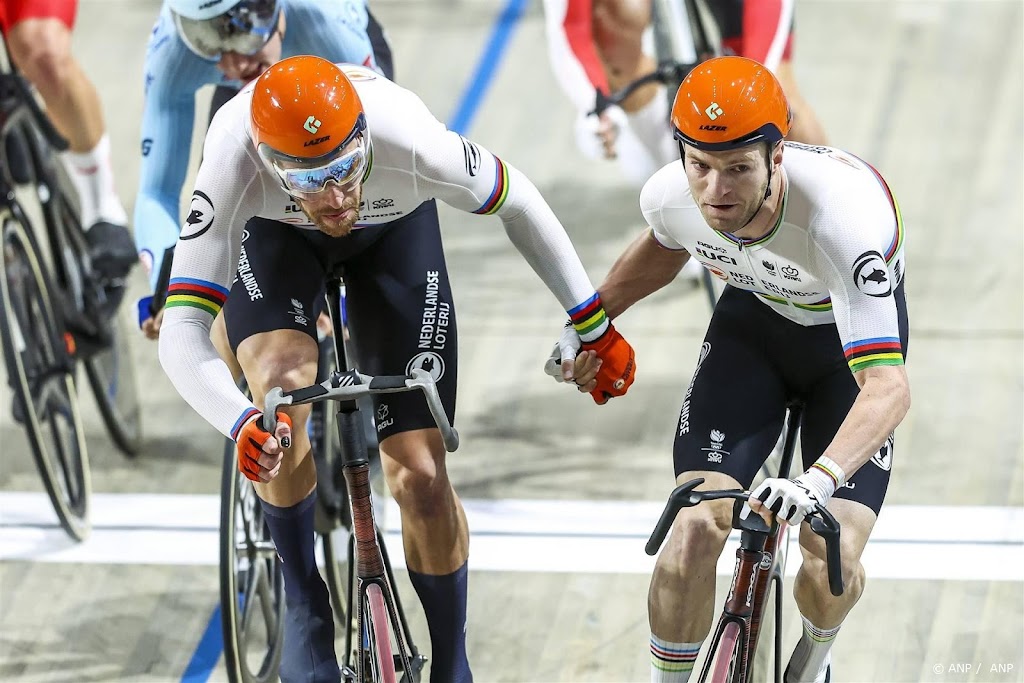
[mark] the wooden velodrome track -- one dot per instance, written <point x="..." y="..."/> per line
<point x="561" y="494"/>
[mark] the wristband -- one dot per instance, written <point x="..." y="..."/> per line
<point x="830" y="468"/>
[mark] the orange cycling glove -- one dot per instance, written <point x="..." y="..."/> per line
<point x="250" y="445"/>
<point x="618" y="367"/>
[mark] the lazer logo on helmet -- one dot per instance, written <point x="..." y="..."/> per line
<point x="715" y="128"/>
<point x="713" y="111"/>
<point x="317" y="141"/>
<point x="312" y="124"/>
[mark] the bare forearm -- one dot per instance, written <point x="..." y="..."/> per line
<point x="880" y="407"/>
<point x="644" y="268"/>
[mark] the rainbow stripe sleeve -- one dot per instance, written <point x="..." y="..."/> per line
<point x="240" y="422"/>
<point x="589" y="319"/>
<point x="206" y="296"/>
<point x="870" y="352"/>
<point x="500" y="191"/>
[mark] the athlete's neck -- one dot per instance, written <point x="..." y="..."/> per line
<point x="768" y="215"/>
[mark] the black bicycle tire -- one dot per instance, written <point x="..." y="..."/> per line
<point x="125" y="432"/>
<point x="234" y="655"/>
<point x="75" y="522"/>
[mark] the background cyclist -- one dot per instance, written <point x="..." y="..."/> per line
<point x="311" y="166"/>
<point x="810" y="241"/>
<point x="38" y="36"/>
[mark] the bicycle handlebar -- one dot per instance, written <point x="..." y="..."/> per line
<point x="350" y="385"/>
<point x="666" y="72"/>
<point x="822" y="523"/>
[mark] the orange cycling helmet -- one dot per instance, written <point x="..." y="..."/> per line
<point x="308" y="124"/>
<point x="730" y="102"/>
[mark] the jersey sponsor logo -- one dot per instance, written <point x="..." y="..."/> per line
<point x="312" y="124"/>
<point x="871" y="276"/>
<point x="713" y="111"/>
<point x="210" y="3"/>
<point x="428" y="361"/>
<point x="711" y="247"/>
<point x="742" y="278"/>
<point x="716" y="452"/>
<point x="769" y="268"/>
<point x="714" y="270"/>
<point x="383" y="203"/>
<point x="473" y="157"/>
<point x="434" y="324"/>
<point x="790" y="273"/>
<point x="684" y="414"/>
<point x="200" y="217"/>
<point x="298" y="313"/>
<point x="714" y="256"/>
<point x="785" y="291"/>
<point x="247" y="277"/>
<point x="883" y="458"/>
<point x="817" y="149"/>
<point x="383" y="417"/>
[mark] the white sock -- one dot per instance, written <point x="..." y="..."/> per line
<point x="811" y="655"/>
<point x="672" y="662"/>
<point x="93" y="177"/>
<point x="652" y="127"/>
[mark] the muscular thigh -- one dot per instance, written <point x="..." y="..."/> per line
<point x="402" y="316"/>
<point x="734" y="409"/>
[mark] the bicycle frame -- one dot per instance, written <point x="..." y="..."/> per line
<point x="757" y="563"/>
<point x="372" y="566"/>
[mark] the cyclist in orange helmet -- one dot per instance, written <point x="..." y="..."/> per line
<point x="292" y="185"/>
<point x="810" y="242"/>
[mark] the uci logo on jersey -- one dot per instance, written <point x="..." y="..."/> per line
<point x="312" y="124"/>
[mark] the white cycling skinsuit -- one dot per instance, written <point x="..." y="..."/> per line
<point x="835" y="256"/>
<point x="414" y="158"/>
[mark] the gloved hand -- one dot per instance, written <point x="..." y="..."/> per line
<point x="618" y="365"/>
<point x="790" y="499"/>
<point x="259" y="451"/>
<point x="605" y="368"/>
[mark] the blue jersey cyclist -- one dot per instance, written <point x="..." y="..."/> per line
<point x="811" y="245"/>
<point x="315" y="166"/>
<point x="228" y="43"/>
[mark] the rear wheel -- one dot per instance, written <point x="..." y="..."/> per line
<point x="251" y="582"/>
<point x="38" y="355"/>
<point x="111" y="374"/>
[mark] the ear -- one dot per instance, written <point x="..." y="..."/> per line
<point x="777" y="152"/>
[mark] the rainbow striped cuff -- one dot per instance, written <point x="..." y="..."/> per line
<point x="240" y="422"/>
<point x="500" y="191"/>
<point x="831" y="469"/>
<point x="673" y="658"/>
<point x="589" y="319"/>
<point x="819" y="635"/>
<point x="206" y="296"/>
<point x="876" y="351"/>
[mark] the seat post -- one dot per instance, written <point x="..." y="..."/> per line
<point x="334" y="304"/>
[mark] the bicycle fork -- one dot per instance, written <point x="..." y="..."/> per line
<point x="371" y="566"/>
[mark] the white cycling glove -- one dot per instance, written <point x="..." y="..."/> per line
<point x="567" y="348"/>
<point x="793" y="499"/>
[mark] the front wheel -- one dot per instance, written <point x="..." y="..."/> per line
<point x="40" y="369"/>
<point x="251" y="582"/>
<point x="726" y="667"/>
<point x="111" y="375"/>
<point x="382" y="660"/>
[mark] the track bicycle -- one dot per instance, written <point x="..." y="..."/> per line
<point x="55" y="310"/>
<point x="378" y="644"/>
<point x="760" y="567"/>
